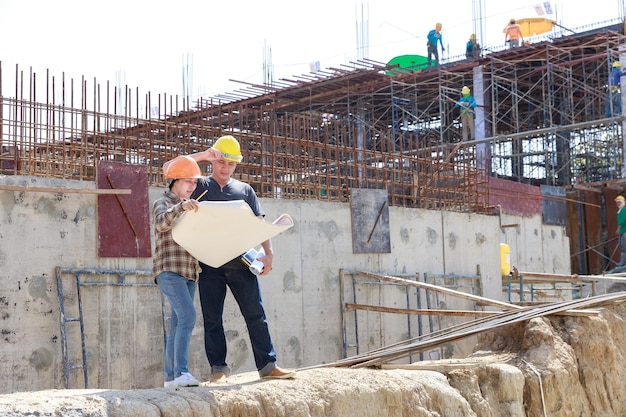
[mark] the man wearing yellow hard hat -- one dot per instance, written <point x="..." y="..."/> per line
<point x="620" y="201"/>
<point x="467" y="103"/>
<point x="213" y="283"/>
<point x="614" y="97"/>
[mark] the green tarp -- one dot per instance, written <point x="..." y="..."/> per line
<point x="406" y="63"/>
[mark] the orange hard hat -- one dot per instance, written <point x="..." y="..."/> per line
<point x="182" y="167"/>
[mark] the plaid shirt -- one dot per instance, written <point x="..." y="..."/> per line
<point x="169" y="255"/>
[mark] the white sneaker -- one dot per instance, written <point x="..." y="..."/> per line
<point x="168" y="384"/>
<point x="185" y="380"/>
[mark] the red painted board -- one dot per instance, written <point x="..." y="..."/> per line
<point x="118" y="218"/>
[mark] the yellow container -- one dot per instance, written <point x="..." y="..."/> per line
<point x="505" y="258"/>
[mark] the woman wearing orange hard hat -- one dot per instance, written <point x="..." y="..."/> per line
<point x="175" y="270"/>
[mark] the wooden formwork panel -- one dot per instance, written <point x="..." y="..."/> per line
<point x="123" y="220"/>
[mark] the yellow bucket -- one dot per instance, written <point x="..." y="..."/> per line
<point x="505" y="258"/>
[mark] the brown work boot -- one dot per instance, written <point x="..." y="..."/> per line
<point x="218" y="378"/>
<point x="279" y="373"/>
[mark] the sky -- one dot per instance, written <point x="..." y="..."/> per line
<point x="206" y="48"/>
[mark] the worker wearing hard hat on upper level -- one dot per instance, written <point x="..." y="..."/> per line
<point x="614" y="97"/>
<point x="224" y="156"/>
<point x="467" y="103"/>
<point x="616" y="74"/>
<point x="621" y="229"/>
<point x="175" y="270"/>
<point x="433" y="40"/>
<point x="472" y="48"/>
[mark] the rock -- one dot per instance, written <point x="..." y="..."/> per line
<point x="559" y="366"/>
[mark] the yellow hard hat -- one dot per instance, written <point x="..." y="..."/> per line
<point x="616" y="64"/>
<point x="438" y="25"/>
<point x="465" y="90"/>
<point x="620" y="198"/>
<point x="229" y="148"/>
<point x="473" y="37"/>
<point x="182" y="167"/>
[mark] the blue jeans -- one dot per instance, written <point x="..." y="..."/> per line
<point x="613" y="104"/>
<point x="180" y="292"/>
<point x="245" y="288"/>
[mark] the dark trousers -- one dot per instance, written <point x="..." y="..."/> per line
<point x="433" y="51"/>
<point x="244" y="286"/>
<point x="622" y="247"/>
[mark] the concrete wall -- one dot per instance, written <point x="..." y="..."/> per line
<point x="40" y="231"/>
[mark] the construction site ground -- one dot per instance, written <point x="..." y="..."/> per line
<point x="554" y="365"/>
<point x="545" y="151"/>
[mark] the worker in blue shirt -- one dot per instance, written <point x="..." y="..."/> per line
<point x="467" y="103"/>
<point x="472" y="48"/>
<point x="434" y="37"/>
<point x="614" y="97"/>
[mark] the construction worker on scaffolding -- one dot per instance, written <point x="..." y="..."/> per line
<point x="513" y="34"/>
<point x="472" y="48"/>
<point x="614" y="97"/>
<point x="434" y="38"/>
<point x="620" y="202"/>
<point x="467" y="103"/>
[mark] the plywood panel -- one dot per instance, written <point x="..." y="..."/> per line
<point x="612" y="248"/>
<point x="123" y="220"/>
<point x="554" y="205"/>
<point x="370" y="221"/>
<point x="593" y="232"/>
<point x="576" y="233"/>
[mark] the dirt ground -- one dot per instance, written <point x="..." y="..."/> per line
<point x="560" y="366"/>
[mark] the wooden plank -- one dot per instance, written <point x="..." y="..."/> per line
<point x="618" y="277"/>
<point x="476" y="298"/>
<point x="569" y="278"/>
<point x="427" y="312"/>
<point x="25" y="188"/>
<point x="403" y="349"/>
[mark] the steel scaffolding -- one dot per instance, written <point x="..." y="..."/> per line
<point x="365" y="125"/>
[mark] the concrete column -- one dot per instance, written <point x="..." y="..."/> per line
<point x="483" y="150"/>
<point x="622" y="60"/>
